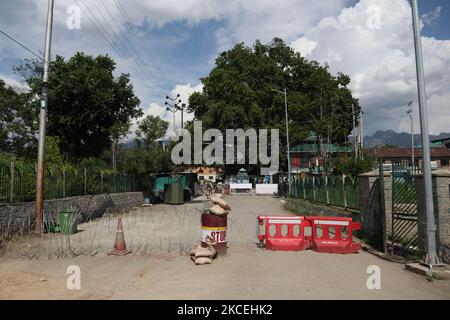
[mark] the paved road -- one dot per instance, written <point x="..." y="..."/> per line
<point x="245" y="273"/>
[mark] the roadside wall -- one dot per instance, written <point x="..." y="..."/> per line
<point x="305" y="207"/>
<point x="18" y="218"/>
<point x="441" y="200"/>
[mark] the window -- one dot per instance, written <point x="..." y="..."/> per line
<point x="211" y="177"/>
<point x="445" y="162"/>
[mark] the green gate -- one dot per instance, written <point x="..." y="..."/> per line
<point x="404" y="232"/>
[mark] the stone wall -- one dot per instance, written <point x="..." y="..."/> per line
<point x="305" y="207"/>
<point x="441" y="200"/>
<point x="18" y="218"/>
<point x="372" y="214"/>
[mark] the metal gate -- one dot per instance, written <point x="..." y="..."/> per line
<point x="404" y="232"/>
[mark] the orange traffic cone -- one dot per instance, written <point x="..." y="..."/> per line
<point x="120" y="248"/>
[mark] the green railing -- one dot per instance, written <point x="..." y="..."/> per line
<point x="335" y="190"/>
<point x="18" y="182"/>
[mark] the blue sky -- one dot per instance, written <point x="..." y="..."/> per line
<point x="184" y="37"/>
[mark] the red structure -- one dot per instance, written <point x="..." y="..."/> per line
<point x="292" y="238"/>
<point x="333" y="234"/>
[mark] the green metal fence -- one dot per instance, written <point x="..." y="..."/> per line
<point x="336" y="190"/>
<point x="18" y="182"/>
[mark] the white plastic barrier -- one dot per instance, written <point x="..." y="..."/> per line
<point x="268" y="188"/>
<point x="240" y="187"/>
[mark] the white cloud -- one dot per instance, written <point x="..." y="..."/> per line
<point x="429" y="17"/>
<point x="379" y="60"/>
<point x="304" y="46"/>
<point x="381" y="63"/>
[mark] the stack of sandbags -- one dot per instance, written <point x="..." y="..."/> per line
<point x="220" y="206"/>
<point x="201" y="255"/>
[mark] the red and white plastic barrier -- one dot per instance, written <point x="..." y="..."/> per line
<point x="292" y="238"/>
<point x="328" y="234"/>
<point x="333" y="234"/>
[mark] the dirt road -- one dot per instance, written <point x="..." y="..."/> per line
<point x="245" y="273"/>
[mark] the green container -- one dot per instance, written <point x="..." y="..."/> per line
<point x="68" y="221"/>
<point x="173" y="193"/>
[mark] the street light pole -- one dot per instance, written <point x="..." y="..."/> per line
<point x="287" y="136"/>
<point x="432" y="257"/>
<point x="410" y="114"/>
<point x="287" y="141"/>
<point x="42" y="122"/>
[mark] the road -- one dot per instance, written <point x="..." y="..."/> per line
<point x="247" y="272"/>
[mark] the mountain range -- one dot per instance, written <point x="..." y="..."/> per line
<point x="402" y="139"/>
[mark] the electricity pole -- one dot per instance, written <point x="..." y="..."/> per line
<point x="173" y="110"/>
<point x="432" y="257"/>
<point x="43" y="120"/>
<point x="183" y="106"/>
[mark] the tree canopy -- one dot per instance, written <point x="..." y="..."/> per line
<point x="88" y="106"/>
<point x="150" y="129"/>
<point x="238" y="93"/>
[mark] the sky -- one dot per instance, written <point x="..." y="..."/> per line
<point x="168" y="45"/>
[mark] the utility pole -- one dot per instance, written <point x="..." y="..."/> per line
<point x="183" y="106"/>
<point x="287" y="136"/>
<point x="410" y="114"/>
<point x="354" y="132"/>
<point x="432" y="257"/>
<point x="172" y="108"/>
<point x="361" y="137"/>
<point x="42" y="121"/>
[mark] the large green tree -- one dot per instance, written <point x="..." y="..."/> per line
<point x="88" y="106"/>
<point x="151" y="128"/>
<point x="238" y="93"/>
<point x="17" y="122"/>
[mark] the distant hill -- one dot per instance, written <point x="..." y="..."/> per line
<point x="402" y="139"/>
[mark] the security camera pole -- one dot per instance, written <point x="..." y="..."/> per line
<point x="432" y="257"/>
<point x="42" y="121"/>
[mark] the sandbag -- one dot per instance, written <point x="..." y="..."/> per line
<point x="221" y="203"/>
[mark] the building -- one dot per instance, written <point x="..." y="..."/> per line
<point x="440" y="156"/>
<point x="205" y="173"/>
<point x="309" y="156"/>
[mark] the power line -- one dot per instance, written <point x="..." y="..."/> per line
<point x="139" y="38"/>
<point x="139" y="56"/>
<point x="124" y="52"/>
<point x="124" y="46"/>
<point x="111" y="43"/>
<point x="22" y="45"/>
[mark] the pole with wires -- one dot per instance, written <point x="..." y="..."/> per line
<point x="431" y="257"/>
<point x="42" y="122"/>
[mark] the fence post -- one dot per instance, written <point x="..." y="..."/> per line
<point x="11" y="181"/>
<point x="343" y="190"/>
<point x="101" y="181"/>
<point x="64" y="181"/>
<point x="304" y="191"/>
<point x="314" y="187"/>
<point x="326" y="188"/>
<point x="85" y="181"/>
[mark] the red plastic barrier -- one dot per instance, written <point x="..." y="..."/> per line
<point x="333" y="234"/>
<point x="291" y="240"/>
